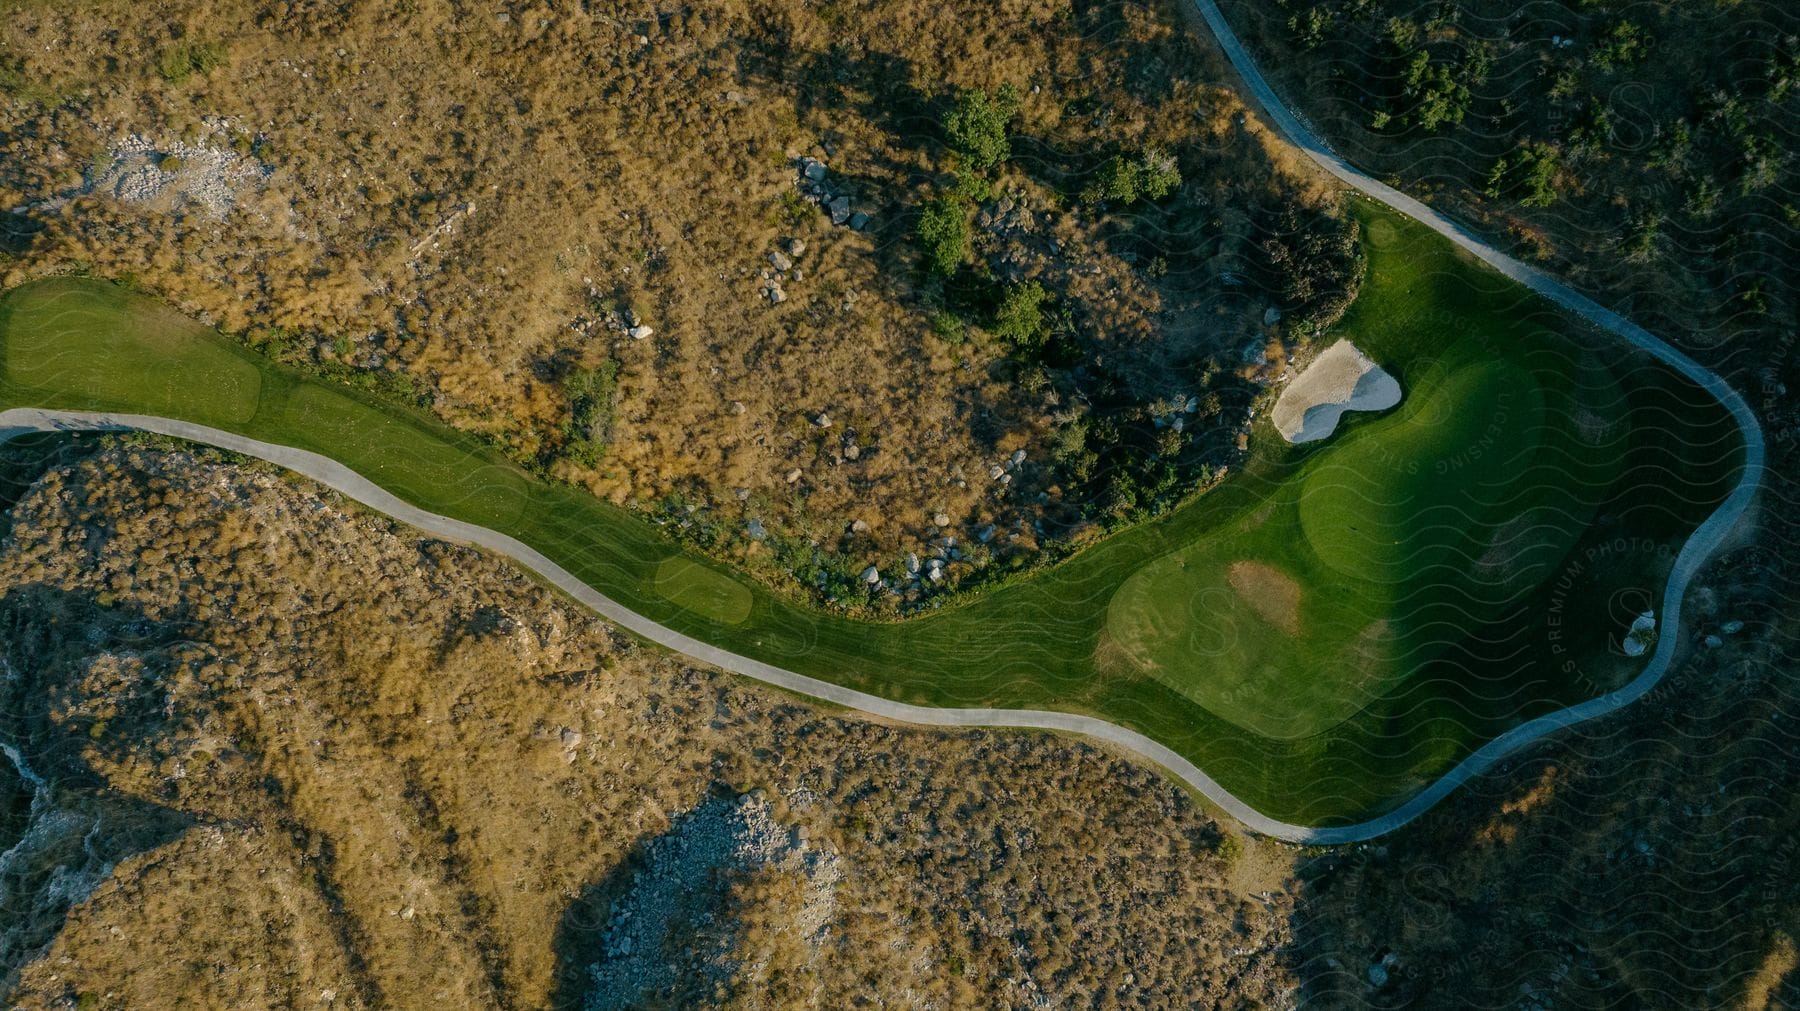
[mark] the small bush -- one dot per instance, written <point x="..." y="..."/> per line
<point x="1149" y="175"/>
<point x="792" y="210"/>
<point x="944" y="234"/>
<point x="1529" y="174"/>
<point x="948" y="326"/>
<point x="591" y="394"/>
<point x="1020" y="318"/>
<point x="977" y="126"/>
<point x="185" y="59"/>
<point x="970" y="186"/>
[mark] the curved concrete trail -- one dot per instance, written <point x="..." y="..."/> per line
<point x="1693" y="555"/>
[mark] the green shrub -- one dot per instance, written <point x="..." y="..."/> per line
<point x="592" y="393"/>
<point x="970" y="186"/>
<point x="1150" y="175"/>
<point x="948" y="326"/>
<point x="1529" y="175"/>
<point x="1020" y="318"/>
<point x="185" y="59"/>
<point x="791" y="210"/>
<point x="977" y="125"/>
<point x="1439" y="92"/>
<point x="1230" y="848"/>
<point x="944" y="234"/>
<point x="1312" y="28"/>
<point x="1622" y="46"/>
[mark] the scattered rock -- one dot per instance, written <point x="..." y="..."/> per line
<point x="1271" y="316"/>
<point x="859" y="221"/>
<point x="1642" y="634"/>
<point x="1732" y="627"/>
<point x="839" y="208"/>
<point x="1714" y="642"/>
<point x="778" y="261"/>
<point x="851" y="452"/>
<point x="823" y="420"/>
<point x="793" y="475"/>
<point x="859" y="527"/>
<point x="871" y="575"/>
<point x="755" y="528"/>
<point x="139" y="170"/>
<point x="640" y="332"/>
<point x="795" y="247"/>
<point x="940" y="520"/>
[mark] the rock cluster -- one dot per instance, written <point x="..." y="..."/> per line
<point x="814" y="184"/>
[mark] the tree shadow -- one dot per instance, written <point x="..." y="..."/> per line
<point x="17" y="232"/>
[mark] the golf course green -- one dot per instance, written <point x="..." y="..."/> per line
<point x="1325" y="632"/>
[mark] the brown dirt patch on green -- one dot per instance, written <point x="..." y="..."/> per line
<point x="1273" y="594"/>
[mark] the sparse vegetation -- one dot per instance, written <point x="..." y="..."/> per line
<point x="456" y="272"/>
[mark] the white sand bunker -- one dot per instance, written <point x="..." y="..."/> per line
<point x="1342" y="379"/>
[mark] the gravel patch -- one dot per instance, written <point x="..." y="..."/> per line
<point x="169" y="175"/>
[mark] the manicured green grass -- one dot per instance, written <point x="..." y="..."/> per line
<point x="704" y="591"/>
<point x="1397" y="536"/>
<point x="110" y="346"/>
<point x="1484" y="595"/>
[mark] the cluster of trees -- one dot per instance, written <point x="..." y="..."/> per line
<point x="1120" y="456"/>
<point x="1150" y="174"/>
<point x="1582" y="129"/>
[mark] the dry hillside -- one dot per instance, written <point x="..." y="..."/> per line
<point x="496" y="801"/>
<point x="672" y="251"/>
